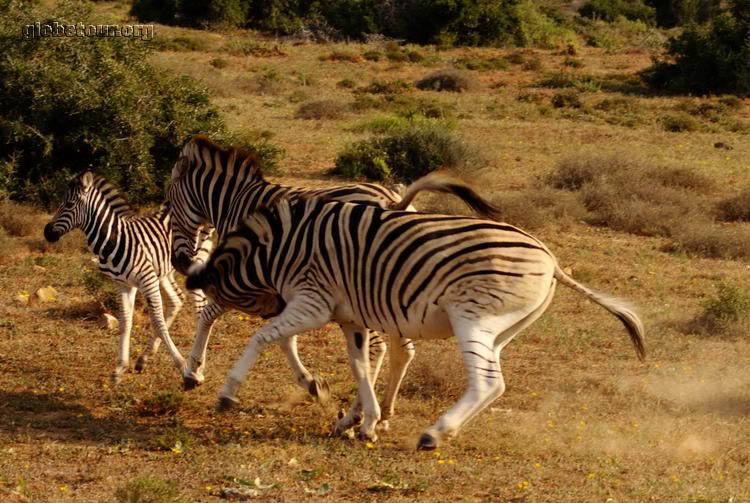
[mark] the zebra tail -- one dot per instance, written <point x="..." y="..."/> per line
<point x="438" y="181"/>
<point x="614" y="305"/>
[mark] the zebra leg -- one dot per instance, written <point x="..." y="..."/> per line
<point x="173" y="304"/>
<point x="357" y="342"/>
<point x="127" y="302"/>
<point x="480" y="342"/>
<point x="307" y="311"/>
<point x="206" y="317"/>
<point x="315" y="385"/>
<point x="150" y="290"/>
<point x="377" y="351"/>
<point x="400" y="355"/>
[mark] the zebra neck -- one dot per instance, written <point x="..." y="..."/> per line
<point x="102" y="225"/>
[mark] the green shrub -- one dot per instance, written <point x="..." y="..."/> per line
<point x="722" y="314"/>
<point x="168" y="402"/>
<point x="610" y="10"/>
<point x="70" y="103"/>
<point x="404" y="154"/>
<point x="671" y="13"/>
<point x="714" y="59"/>
<point x="346" y="84"/>
<point x="387" y="87"/>
<point x="679" y="123"/>
<point x="445" y="80"/>
<point x="372" y="55"/>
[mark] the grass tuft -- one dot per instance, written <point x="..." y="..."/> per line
<point x="146" y="489"/>
<point x="445" y="80"/>
<point x="323" y="109"/>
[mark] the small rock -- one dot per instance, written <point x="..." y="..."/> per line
<point x="238" y="494"/>
<point x="109" y="322"/>
<point x="46" y="294"/>
<point x="721" y="144"/>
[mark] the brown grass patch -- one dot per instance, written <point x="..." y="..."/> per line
<point x="324" y="109"/>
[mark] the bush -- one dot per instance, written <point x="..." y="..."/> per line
<point x="610" y="10"/>
<point x="444" y="81"/>
<point x="404" y="154"/>
<point x="70" y="103"/>
<point x="679" y="123"/>
<point x="715" y="59"/>
<point x="671" y="13"/>
<point x="387" y="87"/>
<point x="324" y="109"/>
<point x="727" y="313"/>
<point x="735" y="208"/>
<point x="566" y="99"/>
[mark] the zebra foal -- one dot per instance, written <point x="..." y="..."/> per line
<point x="422" y="276"/>
<point x="133" y="251"/>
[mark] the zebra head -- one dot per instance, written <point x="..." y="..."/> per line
<point x="71" y="212"/>
<point x="237" y="273"/>
<point x="187" y="219"/>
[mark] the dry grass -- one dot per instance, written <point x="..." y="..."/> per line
<point x="581" y="419"/>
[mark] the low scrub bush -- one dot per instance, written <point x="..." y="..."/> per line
<point x="566" y="99"/>
<point x="166" y="403"/>
<point x="445" y="80"/>
<point x="218" y="63"/>
<point x="679" y="123"/>
<point x="405" y="154"/>
<point x="735" y="208"/>
<point x="372" y="55"/>
<point x="725" y="314"/>
<point x="387" y="87"/>
<point x="19" y="221"/>
<point x="480" y="63"/>
<point x="323" y="109"/>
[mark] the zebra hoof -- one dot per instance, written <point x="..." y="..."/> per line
<point x="384" y="425"/>
<point x="370" y="437"/>
<point x="140" y="363"/>
<point x="226" y="403"/>
<point x="427" y="442"/>
<point x="319" y="388"/>
<point x="190" y="383"/>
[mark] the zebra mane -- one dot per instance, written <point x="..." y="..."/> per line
<point x="114" y="199"/>
<point x="195" y="147"/>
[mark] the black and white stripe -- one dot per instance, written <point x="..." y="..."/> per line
<point x="217" y="187"/>
<point x="421" y="276"/>
<point x="134" y="251"/>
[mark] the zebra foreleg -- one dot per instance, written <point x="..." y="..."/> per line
<point x="127" y="302"/>
<point x="193" y="376"/>
<point x="357" y="342"/>
<point x="401" y="353"/>
<point x="306" y="312"/>
<point x="315" y="385"/>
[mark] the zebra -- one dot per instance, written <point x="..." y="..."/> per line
<point x="418" y="275"/>
<point x="216" y="186"/>
<point x="133" y="251"/>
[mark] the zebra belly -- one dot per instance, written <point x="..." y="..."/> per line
<point x="435" y="325"/>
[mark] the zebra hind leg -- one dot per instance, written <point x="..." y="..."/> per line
<point x="127" y="302"/>
<point x="173" y="300"/>
<point x="358" y="341"/>
<point x="205" y="319"/>
<point x="315" y="385"/>
<point x="401" y="352"/>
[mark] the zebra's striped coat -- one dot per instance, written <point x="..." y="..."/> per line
<point x="420" y="276"/>
<point x="219" y="187"/>
<point x="133" y="251"/>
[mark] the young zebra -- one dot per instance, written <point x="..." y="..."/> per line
<point x="422" y="276"/>
<point x="134" y="251"/>
<point x="217" y="186"/>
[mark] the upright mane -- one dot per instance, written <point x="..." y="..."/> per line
<point x="200" y="150"/>
<point x="112" y="194"/>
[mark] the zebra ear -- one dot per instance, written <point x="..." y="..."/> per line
<point x="87" y="180"/>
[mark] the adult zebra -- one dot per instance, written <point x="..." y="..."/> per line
<point x="422" y="276"/>
<point x="216" y="186"/>
<point x="133" y="251"/>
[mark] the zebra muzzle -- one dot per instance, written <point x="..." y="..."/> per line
<point x="50" y="234"/>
